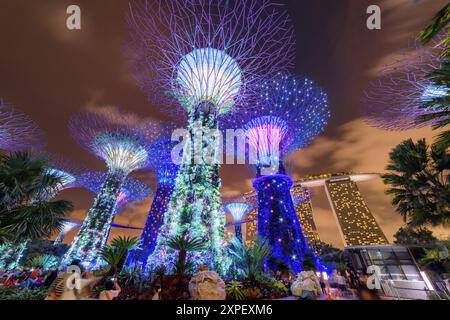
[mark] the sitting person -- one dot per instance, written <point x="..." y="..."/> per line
<point x="66" y="285"/>
<point x="112" y="290"/>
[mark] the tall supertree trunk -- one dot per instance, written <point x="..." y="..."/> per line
<point x="153" y="224"/>
<point x="195" y="208"/>
<point x="278" y="222"/>
<point x="94" y="232"/>
<point x="238" y="231"/>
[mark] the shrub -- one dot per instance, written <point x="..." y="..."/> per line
<point x="15" y="293"/>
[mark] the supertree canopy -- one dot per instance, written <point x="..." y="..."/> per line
<point x="166" y="171"/>
<point x="291" y="111"/>
<point x="238" y="211"/>
<point x="207" y="56"/>
<point x="64" y="168"/>
<point x="17" y="131"/>
<point x="67" y="226"/>
<point x="404" y="89"/>
<point x="208" y="51"/>
<point x="122" y="142"/>
<point x="131" y="190"/>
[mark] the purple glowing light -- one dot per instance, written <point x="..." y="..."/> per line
<point x="289" y="113"/>
<point x="18" y="132"/>
<point x="131" y="190"/>
<point x="162" y="162"/>
<point x="266" y="135"/>
<point x="393" y="101"/>
<point x="119" y="138"/>
<point x="207" y="51"/>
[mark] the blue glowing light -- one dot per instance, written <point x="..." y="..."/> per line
<point x="238" y="210"/>
<point x="278" y="222"/>
<point x="161" y="155"/>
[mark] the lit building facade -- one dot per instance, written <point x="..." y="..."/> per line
<point x="356" y="224"/>
<point x="301" y="197"/>
<point x="304" y="209"/>
<point x="251" y="224"/>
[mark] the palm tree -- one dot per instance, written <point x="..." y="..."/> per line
<point x="115" y="254"/>
<point x="438" y="107"/>
<point x="440" y="22"/>
<point x="184" y="245"/>
<point x="437" y="258"/>
<point x="419" y="182"/>
<point x="26" y="213"/>
<point x="414" y="236"/>
<point x="249" y="260"/>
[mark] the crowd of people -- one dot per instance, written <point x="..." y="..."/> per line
<point x="27" y="278"/>
<point x="344" y="284"/>
<point x="73" y="284"/>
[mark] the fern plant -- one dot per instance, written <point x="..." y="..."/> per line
<point x="249" y="260"/>
<point x="115" y="254"/>
<point x="234" y="290"/>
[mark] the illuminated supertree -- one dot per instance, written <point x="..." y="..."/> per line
<point x="238" y="211"/>
<point x="122" y="142"/>
<point x="404" y="90"/>
<point x="17" y="131"/>
<point x="207" y="56"/>
<point x="166" y="171"/>
<point x="292" y="110"/>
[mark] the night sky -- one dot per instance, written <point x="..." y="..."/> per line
<point x="50" y="72"/>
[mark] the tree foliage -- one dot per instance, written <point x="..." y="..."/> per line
<point x="249" y="260"/>
<point x="115" y="254"/>
<point x="438" y="107"/>
<point x="26" y="213"/>
<point x="184" y="245"/>
<point x="419" y="183"/>
<point x="440" y="24"/>
<point x="414" y="236"/>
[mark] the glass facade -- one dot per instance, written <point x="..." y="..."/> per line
<point x="395" y="262"/>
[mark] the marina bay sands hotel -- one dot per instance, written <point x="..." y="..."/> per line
<point x="356" y="224"/>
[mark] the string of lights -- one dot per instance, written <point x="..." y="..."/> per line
<point x="18" y="132"/>
<point x="403" y="90"/>
<point x="209" y="56"/>
<point x="291" y="111"/>
<point x="166" y="171"/>
<point x="122" y="141"/>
